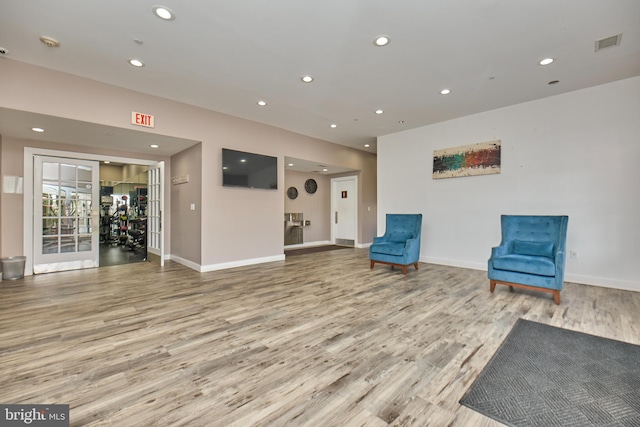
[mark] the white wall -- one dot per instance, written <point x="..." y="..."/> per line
<point x="576" y="154"/>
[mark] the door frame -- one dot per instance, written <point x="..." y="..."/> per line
<point x="334" y="196"/>
<point x="29" y="154"/>
<point x="155" y="210"/>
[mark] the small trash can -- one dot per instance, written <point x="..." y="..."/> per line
<point x="13" y="267"/>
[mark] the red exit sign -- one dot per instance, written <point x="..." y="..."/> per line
<point x="141" y="119"/>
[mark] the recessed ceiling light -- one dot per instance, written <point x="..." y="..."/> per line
<point x="325" y="170"/>
<point x="381" y="41"/>
<point x="554" y="82"/>
<point x="262" y="103"/>
<point x="163" y="12"/>
<point x="379" y="111"/>
<point x="290" y="164"/>
<point x="39" y="130"/>
<point x="367" y="145"/>
<point x="136" y="63"/>
<point x="546" y="61"/>
<point x="106" y="162"/>
<point x="154" y="146"/>
<point x="333" y="125"/>
<point x="243" y="160"/>
<point x="307" y="79"/>
<point x="401" y="122"/>
<point x="445" y="91"/>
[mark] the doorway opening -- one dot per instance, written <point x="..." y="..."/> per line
<point x="86" y="256"/>
<point x="309" y="214"/>
<point x="123" y="213"/>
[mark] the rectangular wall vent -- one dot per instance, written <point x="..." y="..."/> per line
<point x="608" y="42"/>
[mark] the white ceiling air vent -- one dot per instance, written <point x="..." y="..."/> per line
<point x="608" y="42"/>
<point x="49" y="41"/>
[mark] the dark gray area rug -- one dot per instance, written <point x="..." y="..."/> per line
<point x="547" y="376"/>
<point x="314" y="249"/>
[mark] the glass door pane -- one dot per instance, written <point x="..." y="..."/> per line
<point x="65" y="224"/>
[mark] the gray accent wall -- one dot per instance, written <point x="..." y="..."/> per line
<point x="237" y="226"/>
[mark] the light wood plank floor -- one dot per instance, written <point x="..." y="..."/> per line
<point x="316" y="340"/>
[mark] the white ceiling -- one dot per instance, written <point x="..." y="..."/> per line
<point x="227" y="55"/>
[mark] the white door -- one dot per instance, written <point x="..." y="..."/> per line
<point x="65" y="214"/>
<point x="344" y="199"/>
<point x="155" y="208"/>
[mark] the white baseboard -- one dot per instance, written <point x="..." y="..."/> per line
<point x="604" y="282"/>
<point x="240" y="263"/>
<point x="185" y="262"/>
<point x="222" y="266"/>
<point x="455" y="263"/>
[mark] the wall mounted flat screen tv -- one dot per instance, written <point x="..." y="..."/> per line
<point x="250" y="170"/>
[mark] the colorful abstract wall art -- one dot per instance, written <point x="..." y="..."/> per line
<point x="467" y="160"/>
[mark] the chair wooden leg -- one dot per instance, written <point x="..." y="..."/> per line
<point x="393" y="266"/>
<point x="556" y="293"/>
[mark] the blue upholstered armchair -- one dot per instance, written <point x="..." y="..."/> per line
<point x="400" y="244"/>
<point x="531" y="254"/>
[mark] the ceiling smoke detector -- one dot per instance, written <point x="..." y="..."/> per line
<point x="608" y="42"/>
<point x="49" y="41"/>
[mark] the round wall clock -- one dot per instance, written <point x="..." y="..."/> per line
<point x="292" y="193"/>
<point x="311" y="186"/>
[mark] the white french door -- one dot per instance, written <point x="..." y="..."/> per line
<point x="65" y="214"/>
<point x="155" y="208"/>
